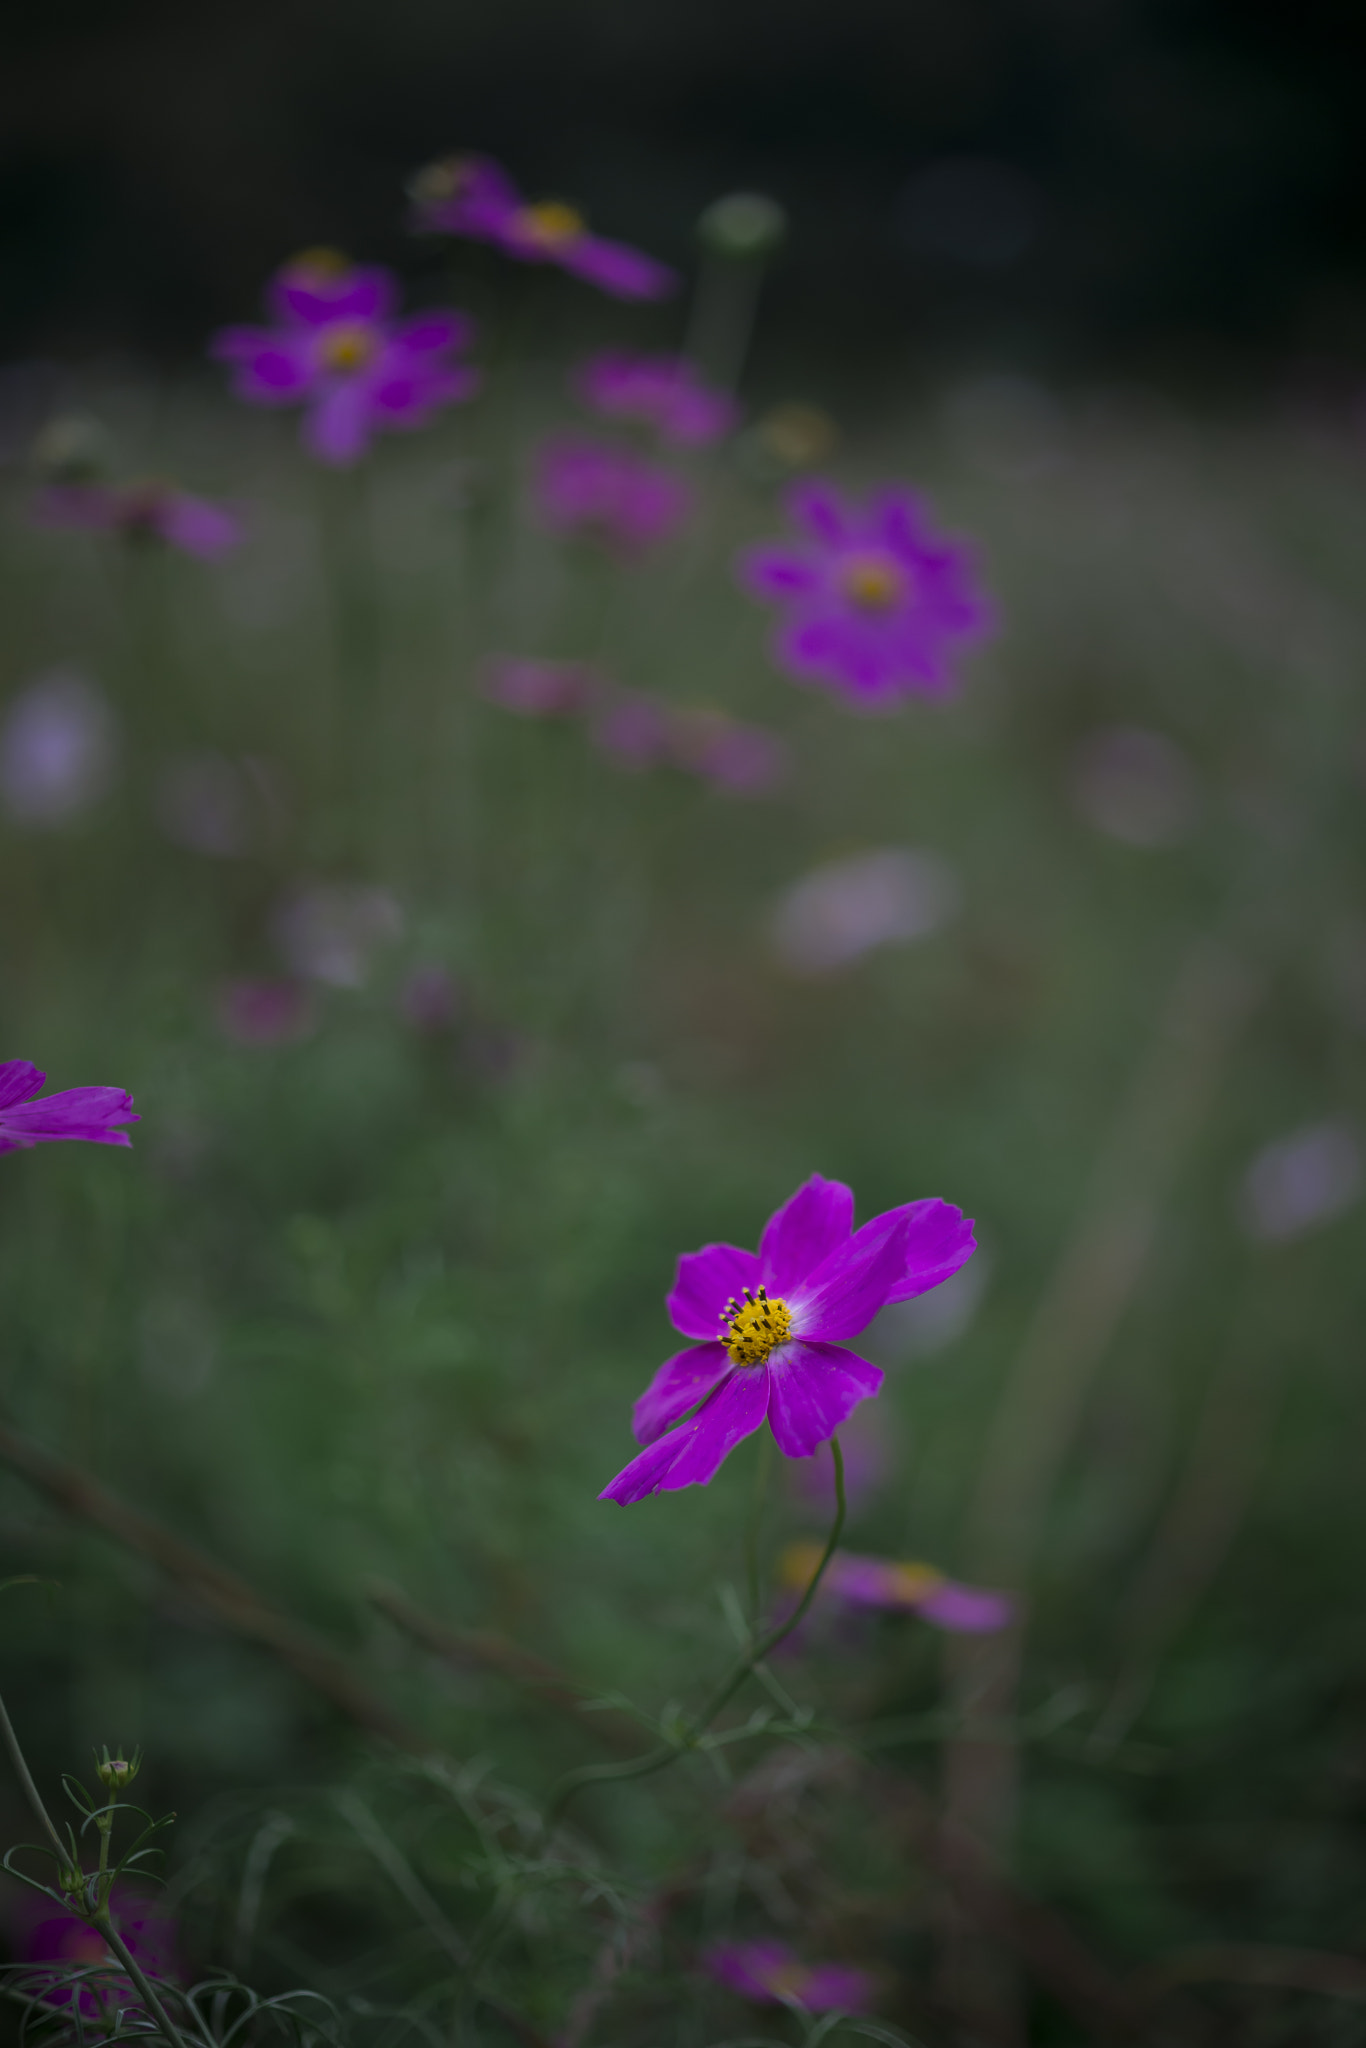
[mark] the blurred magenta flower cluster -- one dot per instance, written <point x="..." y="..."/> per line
<point x="636" y="731"/>
<point x="585" y="485"/>
<point x="667" y="394"/>
<point x="770" y="1973"/>
<point x="148" y="510"/>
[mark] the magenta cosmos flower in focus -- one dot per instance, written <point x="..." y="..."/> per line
<point x="153" y="510"/>
<point x="89" y="1113"/>
<point x="338" y="351"/>
<point x="874" y="604"/>
<point x="899" y="1588"/>
<point x="770" y="1327"/>
<point x="770" y="1974"/>
<point x="586" y="485"/>
<point x="475" y="197"/>
<point x="663" y="392"/>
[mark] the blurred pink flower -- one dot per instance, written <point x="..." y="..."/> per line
<point x="56" y="749"/>
<point x="581" y="483"/>
<point x="743" y="759"/>
<point x="260" y="1010"/>
<point x="846" y="908"/>
<point x="540" y="689"/>
<point x="1301" y="1182"/>
<point x="1136" y="786"/>
<point x="900" y="1588"/>
<point x="663" y="392"/>
<point x="633" y="730"/>
<point x="142" y="511"/>
<point x="770" y="1974"/>
<point x="329" y="931"/>
<point x="430" y="1000"/>
<point x="472" y="195"/>
<point x="63" y="1940"/>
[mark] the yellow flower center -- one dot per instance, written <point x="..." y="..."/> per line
<point x="321" y="265"/>
<point x="347" y="345"/>
<point x="551" y="223"/>
<point x="755" y="1326"/>
<point x="914" y="1582"/>
<point x="873" y="581"/>
<point x="440" y="180"/>
<point x="788" y="1980"/>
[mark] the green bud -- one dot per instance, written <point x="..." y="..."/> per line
<point x="116" y="1772"/>
<point x="743" y="225"/>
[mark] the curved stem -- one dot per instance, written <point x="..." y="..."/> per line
<point x="658" y="1759"/>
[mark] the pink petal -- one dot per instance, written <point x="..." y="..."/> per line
<point x="84" y="1113"/>
<point x="18" y="1080"/>
<point x="678" y="1386"/>
<point x="821" y="509"/>
<point x="776" y="573"/>
<point x="939" y="1240"/>
<point x="810" y="1225"/>
<point x="849" y="1287"/>
<point x="427" y="333"/>
<point x="967" y="1610"/>
<point x="337" y="430"/>
<point x="692" y="1454"/>
<point x="815" y="1388"/>
<point x="704" y="1282"/>
<point x="198" y="528"/>
<point x="626" y="273"/>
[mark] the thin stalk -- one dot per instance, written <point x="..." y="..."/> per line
<point x="31" y="1792"/>
<point x="755" y="1527"/>
<point x="659" y="1758"/>
<point x="105" y="1926"/>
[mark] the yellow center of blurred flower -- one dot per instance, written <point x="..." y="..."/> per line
<point x="551" y="223"/>
<point x="347" y="345"/>
<point x="322" y="264"/>
<point x="874" y="582"/>
<point x="913" y="1582"/>
<point x="754" y="1327"/>
<point x="797" y="1565"/>
<point x="440" y="180"/>
<point x="788" y="1980"/>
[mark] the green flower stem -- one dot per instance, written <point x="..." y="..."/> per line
<point x="756" y="1521"/>
<point x="104" y="1925"/>
<point x="659" y="1758"/>
<point x="31" y="1792"/>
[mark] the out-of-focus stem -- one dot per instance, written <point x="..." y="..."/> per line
<point x="30" y="1790"/>
<point x="667" y="1752"/>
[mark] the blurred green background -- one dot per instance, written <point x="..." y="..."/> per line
<point x="375" y="1302"/>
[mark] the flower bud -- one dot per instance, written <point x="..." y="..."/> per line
<point x="117" y="1772"/>
<point x="743" y="225"/>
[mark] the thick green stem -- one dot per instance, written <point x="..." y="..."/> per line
<point x="659" y="1758"/>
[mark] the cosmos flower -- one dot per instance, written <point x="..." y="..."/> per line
<point x="151" y="510"/>
<point x="265" y="1010"/>
<point x="768" y="1328"/>
<point x="63" y="1941"/>
<point x="57" y="747"/>
<point x="743" y="760"/>
<point x="540" y="689"/>
<point x="663" y="392"/>
<point x="89" y="1113"/>
<point x="581" y="483"/>
<point x="900" y="1588"/>
<point x="474" y="196"/>
<point x="769" y="1973"/>
<point x="847" y="908"/>
<point x="873" y="602"/>
<point x="339" y="352"/>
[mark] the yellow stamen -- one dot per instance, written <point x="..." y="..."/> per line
<point x="439" y="180"/>
<point x="914" y="1582"/>
<point x="873" y="581"/>
<point x="551" y="223"/>
<point x="751" y="1328"/>
<point x="321" y="264"/>
<point x="788" y="1980"/>
<point x="797" y="1566"/>
<point x="347" y="345"/>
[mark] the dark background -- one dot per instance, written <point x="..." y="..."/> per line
<point x="1054" y="185"/>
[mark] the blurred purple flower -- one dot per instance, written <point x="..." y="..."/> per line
<point x="329" y="931"/>
<point x="87" y="1113"/>
<point x="142" y="511"/>
<point x="633" y="731"/>
<point x="202" y="804"/>
<point x="742" y="759"/>
<point x="769" y="1973"/>
<point x="540" y="689"/>
<point x="1135" y="786"/>
<point x="56" y="749"/>
<point x="339" y="352"/>
<point x="64" y="1939"/>
<point x="474" y="196"/>
<point x="900" y="1588"/>
<point x="261" y="1010"/>
<point x="873" y="601"/>
<point x="627" y="501"/>
<point x="846" y="908"/>
<point x="768" y="1327"/>
<point x="430" y="1000"/>
<point x="663" y="392"/>
<point x="1301" y="1181"/>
